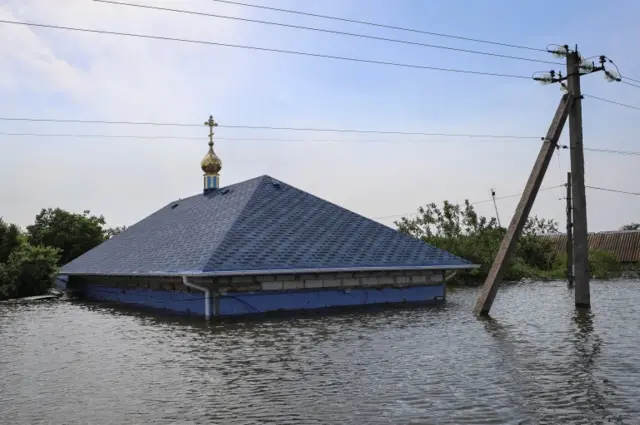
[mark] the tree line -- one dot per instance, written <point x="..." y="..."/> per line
<point x="460" y="230"/>
<point x="31" y="258"/>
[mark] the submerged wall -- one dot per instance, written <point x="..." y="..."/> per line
<point x="242" y="295"/>
<point x="174" y="301"/>
<point x="233" y="304"/>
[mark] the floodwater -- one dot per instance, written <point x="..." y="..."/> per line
<point x="537" y="361"/>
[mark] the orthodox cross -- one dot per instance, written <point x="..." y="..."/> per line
<point x="211" y="123"/>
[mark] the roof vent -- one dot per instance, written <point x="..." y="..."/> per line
<point x="224" y="191"/>
<point x="276" y="183"/>
<point x="174" y="206"/>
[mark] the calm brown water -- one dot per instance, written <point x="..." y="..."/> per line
<point x="537" y="361"/>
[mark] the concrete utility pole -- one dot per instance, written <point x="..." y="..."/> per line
<point x="580" y="233"/>
<point x="569" y="233"/>
<point x="510" y="240"/>
<point x="495" y="205"/>
<point x="570" y="106"/>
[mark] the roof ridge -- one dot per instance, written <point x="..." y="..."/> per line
<point x="229" y="232"/>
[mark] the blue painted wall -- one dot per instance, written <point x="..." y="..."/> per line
<point x="176" y="301"/>
<point x="235" y="304"/>
<point x="61" y="282"/>
<point x="261" y="302"/>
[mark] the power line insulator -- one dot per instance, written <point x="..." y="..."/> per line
<point x="545" y="79"/>
<point x="558" y="50"/>
<point x="587" y="67"/>
<point x="611" y="76"/>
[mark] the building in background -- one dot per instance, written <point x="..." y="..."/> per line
<point x="623" y="244"/>
<point x="259" y="246"/>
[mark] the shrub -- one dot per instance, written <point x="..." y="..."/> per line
<point x="29" y="270"/>
<point x="461" y="231"/>
<point x="603" y="264"/>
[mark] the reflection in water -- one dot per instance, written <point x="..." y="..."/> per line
<point x="587" y="350"/>
<point x="522" y="384"/>
<point x="537" y="361"/>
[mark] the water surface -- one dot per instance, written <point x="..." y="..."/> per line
<point x="536" y="361"/>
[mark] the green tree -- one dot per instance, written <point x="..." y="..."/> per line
<point x="29" y="270"/>
<point x="10" y="239"/>
<point x="451" y="221"/>
<point x="461" y="231"/>
<point x="534" y="251"/>
<point x="73" y="234"/>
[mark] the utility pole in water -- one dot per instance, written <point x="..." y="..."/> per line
<point x="570" y="107"/>
<point x="578" y="234"/>
<point x="569" y="233"/>
<point x="579" y="206"/>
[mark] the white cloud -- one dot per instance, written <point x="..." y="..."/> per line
<point x="114" y="78"/>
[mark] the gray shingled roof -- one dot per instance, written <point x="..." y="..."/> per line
<point x="257" y="226"/>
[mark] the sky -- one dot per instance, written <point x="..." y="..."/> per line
<point x="48" y="73"/>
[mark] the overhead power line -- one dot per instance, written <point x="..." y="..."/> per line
<point x="604" y="150"/>
<point x="613" y="151"/>
<point x="262" y="139"/>
<point x="393" y="27"/>
<point x="122" y="136"/>
<point x="630" y="79"/>
<point x="328" y="31"/>
<point x="605" y="189"/>
<point x="265" y="49"/>
<point x="254" y="127"/>
<point x="516" y="195"/>
<point x="630" y="84"/>
<point x="108" y="136"/>
<point x="611" y="101"/>
<point x="76" y="121"/>
<point x="472" y="203"/>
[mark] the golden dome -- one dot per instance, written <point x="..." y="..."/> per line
<point x="211" y="163"/>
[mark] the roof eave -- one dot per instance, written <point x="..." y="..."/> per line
<point x="335" y="270"/>
<point x="223" y="273"/>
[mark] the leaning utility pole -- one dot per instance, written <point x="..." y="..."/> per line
<point x="510" y="240"/>
<point x="580" y="233"/>
<point x="569" y="233"/>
